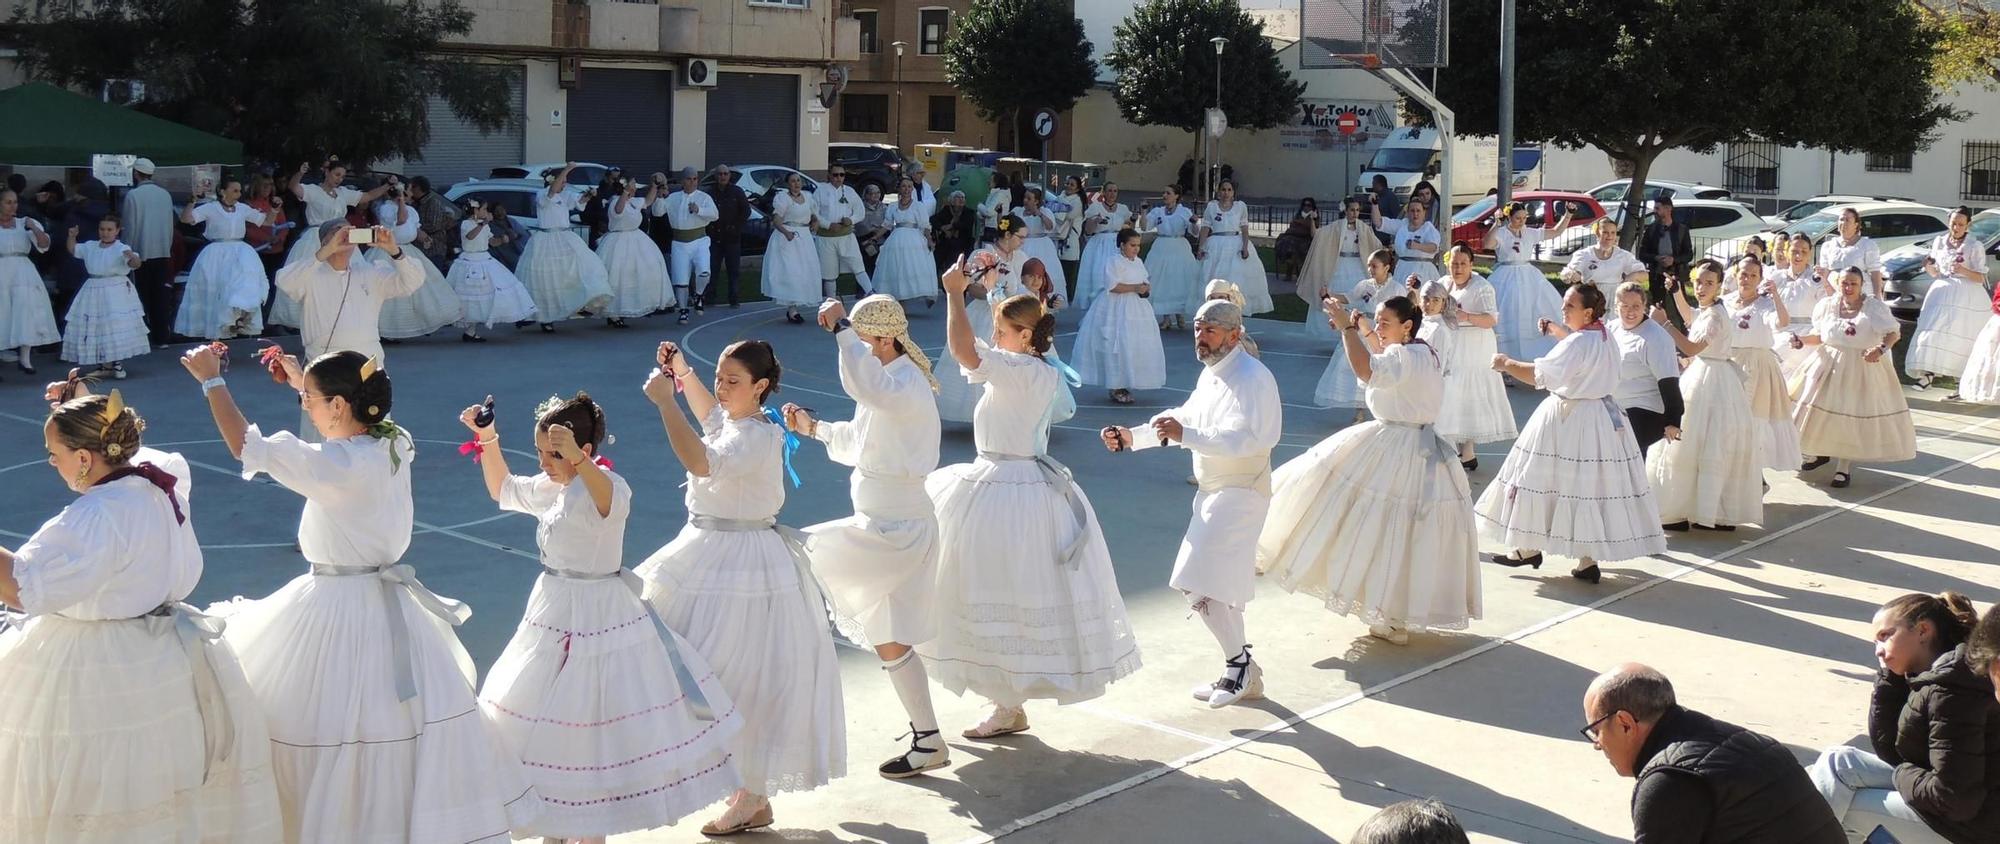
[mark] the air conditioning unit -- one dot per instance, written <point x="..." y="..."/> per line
<point x="698" y="73"/>
<point x="123" y="92"/>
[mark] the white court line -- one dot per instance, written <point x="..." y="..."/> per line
<point x="1224" y="746"/>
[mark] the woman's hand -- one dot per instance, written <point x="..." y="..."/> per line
<point x="1500" y="363"/>
<point x="75" y="386"/>
<point x="1659" y="314"/>
<point x="469" y="414"/>
<point x="564" y="441"/>
<point x="1673" y="433"/>
<point x="202" y="363"/>
<point x="1796" y="343"/>
<point x="799" y="420"/>
<point x="660" y="387"/>
<point x="1873" y="354"/>
<point x="955" y="281"/>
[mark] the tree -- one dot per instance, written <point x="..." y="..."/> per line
<point x="1011" y="57"/>
<point x="1166" y="67"/>
<point x="1969" y="44"/>
<point x="1638" y="77"/>
<point x="295" y="80"/>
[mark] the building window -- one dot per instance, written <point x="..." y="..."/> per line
<point x="864" y="113"/>
<point x="944" y="114"/>
<point x="1751" y="168"/>
<point x="1898" y="163"/>
<point x="931" y="27"/>
<point x="868" y="18"/>
<point x="1982" y="171"/>
<point x="783" y="4"/>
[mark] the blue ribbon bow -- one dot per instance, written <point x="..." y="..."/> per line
<point x="791" y="444"/>
<point x="1074" y="378"/>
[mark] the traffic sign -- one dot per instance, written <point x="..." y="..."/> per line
<point x="1218" y="122"/>
<point x="1348" y="123"/>
<point x="1045" y="123"/>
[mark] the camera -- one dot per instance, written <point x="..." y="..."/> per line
<point x="361" y="237"/>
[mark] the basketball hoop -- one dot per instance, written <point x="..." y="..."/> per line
<point x="1365" y="61"/>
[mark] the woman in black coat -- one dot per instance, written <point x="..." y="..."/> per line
<point x="1935" y="729"/>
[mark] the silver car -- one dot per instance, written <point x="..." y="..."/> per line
<point x="1907" y="282"/>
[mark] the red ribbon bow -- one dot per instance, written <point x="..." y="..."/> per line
<point x="472" y="448"/>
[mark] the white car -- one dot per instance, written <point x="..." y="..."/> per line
<point x="1611" y="194"/>
<point x="1889" y="224"/>
<point x="1800" y="210"/>
<point x="1708" y="221"/>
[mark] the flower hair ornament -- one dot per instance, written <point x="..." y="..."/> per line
<point x="548" y="406"/>
<point x="368" y="370"/>
<point x="114" y="407"/>
<point x="1004" y="225"/>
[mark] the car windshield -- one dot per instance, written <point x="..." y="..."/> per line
<point x="1401" y="160"/>
<point x="1813" y="226"/>
<point x="1804" y="210"/>
<point x="1985" y="227"/>
<point x="1474" y="211"/>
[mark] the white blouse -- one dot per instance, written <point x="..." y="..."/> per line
<point x="1012" y="414"/>
<point x="635" y="211"/>
<point x="1836" y="256"/>
<point x="1645" y="358"/>
<point x="1756" y="323"/>
<point x="1400" y="235"/>
<point x="358" y="508"/>
<point x="745" y="468"/>
<point x="1476" y="297"/>
<point x="18" y="239"/>
<point x="1173" y="223"/>
<point x="1511" y="248"/>
<point x="102" y="261"/>
<point x="572" y="536"/>
<point x="552" y="212"/>
<point x="1582" y="366"/>
<point x="321" y="207"/>
<point x="794" y="213"/>
<point x="1966" y="254"/>
<point x="405" y="231"/>
<point x="475" y="242"/>
<point x="115" y="552"/>
<point x="224" y="224"/>
<point x="894" y="432"/>
<point x="1438" y="334"/>
<point x="1607" y="272"/>
<point x="1219" y="220"/>
<point x="1406" y="384"/>
<point x="915" y="217"/>
<point x="1712" y="325"/>
<point x="1801" y="293"/>
<point x="1109" y="220"/>
<point x="1858" y="332"/>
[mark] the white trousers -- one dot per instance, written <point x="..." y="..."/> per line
<point x="838" y="255"/>
<point x="687" y="263"/>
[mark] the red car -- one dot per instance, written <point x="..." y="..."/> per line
<point x="1470" y="223"/>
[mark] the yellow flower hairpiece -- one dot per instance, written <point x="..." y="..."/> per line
<point x="114" y="407"/>
<point x="369" y="368"/>
<point x="1005" y="223"/>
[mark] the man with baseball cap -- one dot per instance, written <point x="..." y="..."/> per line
<point x="148" y="212"/>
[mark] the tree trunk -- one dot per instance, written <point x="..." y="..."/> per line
<point x="1635" y="195"/>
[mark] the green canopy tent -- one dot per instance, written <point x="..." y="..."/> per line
<point x="48" y="126"/>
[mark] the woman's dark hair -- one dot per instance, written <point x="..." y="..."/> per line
<point x="1406" y="310"/>
<point x="16" y="182"/>
<point x="1385" y="257"/>
<point x="762" y="361"/>
<point x="1411" y="822"/>
<point x="1012" y="224"/>
<point x="113" y="219"/>
<point x="1306" y="202"/>
<point x="54" y="190"/>
<point x="339" y="374"/>
<point x="1754" y="241"/>
<point x="582" y="416"/>
<point x="1173" y="188"/>
<point x="1705" y="265"/>
<point x="1220" y="182"/>
<point x="1592" y="299"/>
<point x="80" y="424"/>
<point x="1125" y="235"/>
<point x="1025" y="311"/>
<point x="1950" y="614"/>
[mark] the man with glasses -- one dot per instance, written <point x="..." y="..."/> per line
<point x="837" y="208"/>
<point x="1699" y="779"/>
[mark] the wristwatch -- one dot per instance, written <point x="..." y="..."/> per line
<point x="840" y="325"/>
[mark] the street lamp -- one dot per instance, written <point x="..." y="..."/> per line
<point x="899" y="96"/>
<point x="1210" y="173"/>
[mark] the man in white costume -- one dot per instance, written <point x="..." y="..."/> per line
<point x="836" y="208"/>
<point x="340" y="294"/>
<point x="688" y="214"/>
<point x="880" y="565"/>
<point x="1231" y="422"/>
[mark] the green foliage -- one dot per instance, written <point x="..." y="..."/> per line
<point x="1007" y="57"/>
<point x="294" y="80"/>
<point x="1968" y="42"/>
<point x="1166" y="67"/>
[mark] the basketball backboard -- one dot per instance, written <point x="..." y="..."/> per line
<point x="1372" y="34"/>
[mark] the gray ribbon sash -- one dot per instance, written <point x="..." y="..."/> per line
<point x="810" y="587"/>
<point x="1440" y="454"/>
<point x="683" y="676"/>
<point x="1060" y="477"/>
<point x="1610" y="406"/>
<point x="394" y="577"/>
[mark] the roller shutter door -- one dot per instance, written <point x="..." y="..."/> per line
<point x="623" y="118"/>
<point x="457" y="150"/>
<point x="753" y="118"/>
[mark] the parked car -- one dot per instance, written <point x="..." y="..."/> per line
<point x="1611" y="194"/>
<point x="1708" y="221"/>
<point x="1907" y="282"/>
<point x="516" y="195"/>
<point x="762" y="182"/>
<point x="1890" y="224"/>
<point x="586" y="174"/>
<point x="1800" y="210"/>
<point x="1469" y="224"/>
<point x="867" y="164"/>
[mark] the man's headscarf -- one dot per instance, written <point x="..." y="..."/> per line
<point x="1220" y="313"/>
<point x="1224" y="287"/>
<point x="881" y="315"/>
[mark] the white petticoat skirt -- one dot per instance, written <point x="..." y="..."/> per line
<point x="434" y="305"/>
<point x="1525" y="297"/>
<point x="587" y="699"/>
<point x="1347" y="272"/>
<point x="104" y="743"/>
<point x="489" y="291"/>
<point x="1981" y="381"/>
<point x="1225" y="260"/>
<point x="906" y="270"/>
<point x="1575" y="484"/>
<point x="353" y="762"/>
<point x="1712" y="474"/>
<point x="790" y="275"/>
<point x="737" y="597"/>
<point x="636" y="272"/>
<point x="1338" y="385"/>
<point x="1770" y="408"/>
<point x="1954" y="312"/>
<point x="225" y="293"/>
<point x="26" y="318"/>
<point x="1848" y="408"/>
<point x="1426" y="271"/>
<point x="1118" y="344"/>
<point x="106" y="323"/>
<point x="1175" y="276"/>
<point x="1015" y="622"/>
<point x="1093" y="272"/>
<point x="563" y="276"/>
<point x="1376" y="520"/>
<point x="881" y="574"/>
<point x="1475" y="399"/>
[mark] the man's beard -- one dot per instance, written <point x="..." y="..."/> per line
<point x="1211" y="357"/>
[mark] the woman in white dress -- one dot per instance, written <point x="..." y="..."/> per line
<point x="621" y="724"/>
<point x="1710" y="476"/>
<point x="1102" y="221"/>
<point x="1118" y="343"/>
<point x="1955" y="307"/>
<point x="1376" y="520"/>
<point x="791" y="261"/>
<point x="1846" y="400"/>
<point x="26" y="318"/>
<point x="1525" y="297"/>
<point x="1440" y="325"/>
<point x="1042" y="226"/>
<point x="1477" y="411"/>
<point x="1069" y="208"/>
<point x="1226" y="251"/>
<point x="739" y="586"/>
<point x="1981" y="382"/>
<point x="564" y="277"/>
<point x="1849" y="248"/>
<point x="1026" y="591"/>
<point x="1605" y="263"/>
<point x="225" y="290"/>
<point x="1414" y="237"/>
<point x="1575" y="482"/>
<point x="328" y="200"/>
<point x="1801" y="288"/>
<point x="906" y="269"/>
<point x="1170" y="264"/>
<point x="376" y="734"/>
<point x="1338" y="386"/>
<point x="127" y="718"/>
<point x="996" y="274"/>
<point x="488" y="291"/>
<point x="106" y="322"/>
<point x="1760" y="316"/>
<point x="435" y="304"/>
<point x="1035" y="279"/>
<point x="633" y="264"/>
<point x="1337" y="261"/>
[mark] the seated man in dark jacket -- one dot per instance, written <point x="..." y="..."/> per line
<point x="1700" y="780"/>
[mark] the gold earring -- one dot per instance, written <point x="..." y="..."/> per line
<point x="82" y="471"/>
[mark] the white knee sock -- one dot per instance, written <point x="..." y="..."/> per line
<point x="913" y="688"/>
<point x="1225" y="623"/>
<point x="861" y="281"/>
<point x="1843" y="465"/>
<point x="827" y="287"/>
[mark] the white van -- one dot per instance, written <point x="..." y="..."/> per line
<point x="1410" y="155"/>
